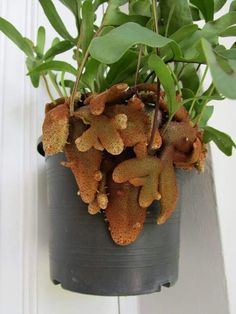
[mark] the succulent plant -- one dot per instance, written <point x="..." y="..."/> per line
<point x="137" y="106"/>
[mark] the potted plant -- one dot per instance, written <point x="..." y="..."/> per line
<point x="134" y="112"/>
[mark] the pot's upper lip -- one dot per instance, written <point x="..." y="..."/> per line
<point x="40" y="147"/>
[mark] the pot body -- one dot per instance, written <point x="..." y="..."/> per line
<point x="83" y="257"/>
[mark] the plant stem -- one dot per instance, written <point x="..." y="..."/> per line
<point x="48" y="89"/>
<point x="198" y="67"/>
<point x="204" y="105"/>
<point x="138" y="65"/>
<point x="169" y="19"/>
<point x="55" y="84"/>
<point x="148" y="77"/>
<point x="63" y="83"/>
<point x="155" y="121"/>
<point x="181" y="71"/>
<point x="80" y="71"/>
<point x="198" y="90"/>
<point x="175" y="79"/>
<point x="154" y="10"/>
<point x="167" y="123"/>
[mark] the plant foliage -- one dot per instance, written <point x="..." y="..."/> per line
<point x="109" y="52"/>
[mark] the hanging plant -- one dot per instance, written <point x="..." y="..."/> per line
<point x="133" y="102"/>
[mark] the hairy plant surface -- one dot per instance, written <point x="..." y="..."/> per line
<point x="115" y="170"/>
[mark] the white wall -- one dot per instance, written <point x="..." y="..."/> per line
<point x="25" y="287"/>
<point x="225" y="173"/>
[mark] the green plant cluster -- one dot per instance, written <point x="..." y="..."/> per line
<point x="127" y="47"/>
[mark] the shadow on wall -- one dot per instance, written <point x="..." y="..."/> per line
<point x="201" y="288"/>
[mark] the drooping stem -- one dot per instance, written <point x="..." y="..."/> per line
<point x="48" y="89"/>
<point x="138" y="65"/>
<point x="156" y="113"/>
<point x="198" y="90"/>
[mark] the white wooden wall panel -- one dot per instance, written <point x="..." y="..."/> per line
<point x="25" y="287"/>
<point x="201" y="288"/>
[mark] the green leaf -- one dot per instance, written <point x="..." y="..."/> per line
<point x="233" y="6"/>
<point x="188" y="39"/>
<point x="121" y="39"/>
<point x="55" y="66"/>
<point x="117" y="3"/>
<point x="12" y="33"/>
<point x="223" y="141"/>
<point x="140" y="7"/>
<point x="41" y="37"/>
<point x="121" y="65"/>
<point x="97" y="3"/>
<point x="227" y="54"/>
<point x="183" y="32"/>
<point x="90" y="74"/>
<point x="34" y="77"/>
<point x="223" y="72"/>
<point x="218" y="4"/>
<point x="228" y="32"/>
<point x="88" y="18"/>
<point x="58" y="48"/>
<point x="163" y="73"/>
<point x="190" y="78"/>
<point x="115" y="17"/>
<point x="195" y="13"/>
<point x="69" y="84"/>
<point x="55" y="19"/>
<point x="106" y="29"/>
<point x="206" y="7"/>
<point x="218" y="26"/>
<point x="127" y="74"/>
<point x="55" y="41"/>
<point x="206" y="115"/>
<point x="100" y="83"/>
<point x="72" y="5"/>
<point x="181" y="14"/>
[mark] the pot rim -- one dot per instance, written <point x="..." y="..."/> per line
<point x="40" y="146"/>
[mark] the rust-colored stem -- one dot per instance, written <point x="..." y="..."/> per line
<point x="155" y="121"/>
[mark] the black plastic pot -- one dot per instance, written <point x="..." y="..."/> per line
<point x="83" y="257"/>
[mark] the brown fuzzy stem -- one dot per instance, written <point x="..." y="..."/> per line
<point x="156" y="120"/>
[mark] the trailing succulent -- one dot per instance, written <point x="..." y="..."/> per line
<point x="106" y="141"/>
<point x="136" y="107"/>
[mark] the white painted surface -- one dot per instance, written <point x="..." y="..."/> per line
<point x="25" y="287"/>
<point x="201" y="288"/>
<point x="225" y="172"/>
